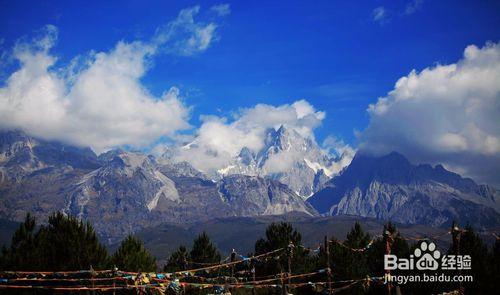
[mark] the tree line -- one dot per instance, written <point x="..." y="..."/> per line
<point x="67" y="243"/>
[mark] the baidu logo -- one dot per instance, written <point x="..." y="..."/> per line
<point x="427" y="257"/>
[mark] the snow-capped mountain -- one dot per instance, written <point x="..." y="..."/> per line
<point x="121" y="192"/>
<point x="21" y="154"/>
<point x="287" y="157"/>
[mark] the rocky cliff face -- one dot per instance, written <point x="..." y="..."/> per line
<point x="21" y="154"/>
<point x="121" y="192"/>
<point x="391" y="188"/>
<point x="253" y="196"/>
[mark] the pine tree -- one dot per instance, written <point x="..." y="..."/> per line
<point x="204" y="251"/>
<point x="494" y="265"/>
<point x="22" y="254"/>
<point x="467" y="242"/>
<point x="178" y="260"/>
<point x="279" y="235"/>
<point x="398" y="246"/>
<point x="376" y="252"/>
<point x="67" y="243"/>
<point x="355" y="263"/>
<point x="133" y="256"/>
<point x="345" y="263"/>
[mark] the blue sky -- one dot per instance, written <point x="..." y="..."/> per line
<point x="331" y="53"/>
<point x="340" y="56"/>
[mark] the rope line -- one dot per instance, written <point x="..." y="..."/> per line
<point x="80" y="280"/>
<point x="156" y="286"/>
<point x="229" y="263"/>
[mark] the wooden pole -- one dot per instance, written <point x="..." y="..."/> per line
<point x="388" y="245"/>
<point x="114" y="280"/>
<point x="233" y="259"/>
<point x="290" y="255"/>
<point x="283" y="291"/>
<point x="282" y="279"/>
<point x="92" y="278"/>
<point x="456" y="234"/>
<point x="328" y="269"/>
<point x="253" y="276"/>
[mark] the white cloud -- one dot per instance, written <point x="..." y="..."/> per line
<point x="219" y="141"/>
<point x="413" y="6"/>
<point x="343" y="152"/>
<point x="184" y="35"/>
<point x="221" y="9"/>
<point x="99" y="100"/>
<point x="337" y="147"/>
<point x="282" y="162"/>
<point x="300" y="116"/>
<point x="446" y="113"/>
<point x="380" y="15"/>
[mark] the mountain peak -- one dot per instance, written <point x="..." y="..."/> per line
<point x="112" y="152"/>
<point x="287" y="157"/>
<point x="246" y="156"/>
<point x="390" y="187"/>
<point x="132" y="160"/>
<point x="281" y="129"/>
<point x="392" y="157"/>
<point x="285" y="131"/>
<point x="8" y="137"/>
<point x="283" y="139"/>
<point x="391" y="167"/>
<point x="18" y="149"/>
<point x="395" y="157"/>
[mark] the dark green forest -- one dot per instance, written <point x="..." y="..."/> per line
<point x="65" y="243"/>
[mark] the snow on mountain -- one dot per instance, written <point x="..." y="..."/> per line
<point x="21" y="154"/>
<point x="122" y="191"/>
<point x="317" y="167"/>
<point x="287" y="157"/>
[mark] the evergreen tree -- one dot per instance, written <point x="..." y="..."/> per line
<point x="279" y="235"/>
<point x="204" y="251"/>
<point x="376" y="252"/>
<point x="345" y="263"/>
<point x="467" y="242"/>
<point x="22" y="254"/>
<point x="494" y="267"/>
<point x="353" y="265"/>
<point x="64" y="244"/>
<point x="67" y="243"/>
<point x="178" y="260"/>
<point x="133" y="256"/>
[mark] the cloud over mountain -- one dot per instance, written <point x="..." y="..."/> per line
<point x="99" y="99"/>
<point x="445" y="113"/>
<point x="220" y="139"/>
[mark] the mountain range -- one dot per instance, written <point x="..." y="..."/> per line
<point x="122" y="192"/>
<point x="286" y="156"/>
<point x="391" y="188"/>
